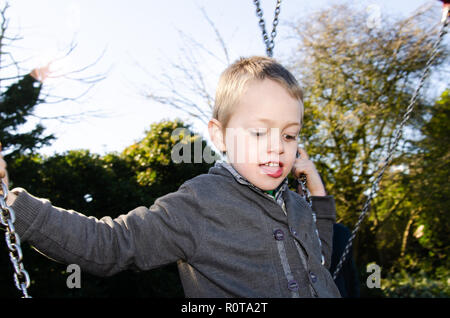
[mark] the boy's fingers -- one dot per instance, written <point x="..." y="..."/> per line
<point x="303" y="153"/>
<point x="2" y="167"/>
<point x="2" y="164"/>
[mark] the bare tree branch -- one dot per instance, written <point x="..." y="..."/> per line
<point x="73" y="118"/>
<point x="218" y="35"/>
<point x="188" y="90"/>
<point x="13" y="71"/>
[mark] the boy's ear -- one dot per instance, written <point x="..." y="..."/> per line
<point x="216" y="134"/>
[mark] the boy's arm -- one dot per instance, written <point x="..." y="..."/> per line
<point x="322" y="204"/>
<point x="143" y="239"/>
<point x="325" y="210"/>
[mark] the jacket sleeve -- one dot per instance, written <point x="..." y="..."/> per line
<point x="142" y="239"/>
<point x="325" y="210"/>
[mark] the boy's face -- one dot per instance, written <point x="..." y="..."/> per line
<point x="262" y="133"/>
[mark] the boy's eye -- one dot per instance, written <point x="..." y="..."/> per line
<point x="263" y="132"/>
<point x="290" y="137"/>
<point x="258" y="133"/>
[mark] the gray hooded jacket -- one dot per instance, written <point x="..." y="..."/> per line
<point x="229" y="238"/>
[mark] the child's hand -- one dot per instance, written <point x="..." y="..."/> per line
<point x="305" y="166"/>
<point x="41" y="73"/>
<point x="3" y="172"/>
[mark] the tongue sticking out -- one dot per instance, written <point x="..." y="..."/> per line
<point x="274" y="171"/>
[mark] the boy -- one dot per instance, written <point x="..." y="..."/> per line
<point x="234" y="232"/>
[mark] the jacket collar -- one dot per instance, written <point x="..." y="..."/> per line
<point x="278" y="196"/>
<point x="298" y="212"/>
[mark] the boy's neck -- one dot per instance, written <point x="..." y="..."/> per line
<point x="272" y="192"/>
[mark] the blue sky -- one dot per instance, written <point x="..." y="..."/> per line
<point x="136" y="34"/>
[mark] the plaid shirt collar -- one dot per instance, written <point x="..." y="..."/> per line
<point x="278" y="196"/>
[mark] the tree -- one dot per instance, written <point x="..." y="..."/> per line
<point x="358" y="80"/>
<point x="152" y="158"/>
<point x="410" y="216"/>
<point x="189" y="90"/>
<point x="24" y="91"/>
<point x="17" y="104"/>
<point x="95" y="186"/>
<point x="429" y="172"/>
<point x="101" y="186"/>
<point x="18" y="101"/>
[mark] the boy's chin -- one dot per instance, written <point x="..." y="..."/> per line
<point x="258" y="178"/>
<point x="266" y="184"/>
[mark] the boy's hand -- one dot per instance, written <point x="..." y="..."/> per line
<point x="41" y="73"/>
<point x="305" y="166"/>
<point x="3" y="172"/>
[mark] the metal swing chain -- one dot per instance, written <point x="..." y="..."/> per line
<point x="268" y="41"/>
<point x="7" y="218"/>
<point x="388" y="159"/>
<point x="307" y="196"/>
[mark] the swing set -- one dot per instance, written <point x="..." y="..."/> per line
<point x="7" y="216"/>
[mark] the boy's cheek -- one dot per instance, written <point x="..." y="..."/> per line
<point x="290" y="156"/>
<point x="242" y="149"/>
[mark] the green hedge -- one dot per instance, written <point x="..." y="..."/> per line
<point x="418" y="285"/>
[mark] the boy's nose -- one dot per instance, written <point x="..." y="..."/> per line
<point x="276" y="143"/>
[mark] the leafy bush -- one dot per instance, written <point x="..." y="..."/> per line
<point x="419" y="285"/>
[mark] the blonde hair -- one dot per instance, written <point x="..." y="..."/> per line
<point x="235" y="79"/>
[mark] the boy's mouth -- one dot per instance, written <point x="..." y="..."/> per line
<point x="273" y="169"/>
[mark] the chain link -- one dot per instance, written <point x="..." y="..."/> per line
<point x="268" y="41"/>
<point x="307" y="195"/>
<point x="7" y="219"/>
<point x="386" y="162"/>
